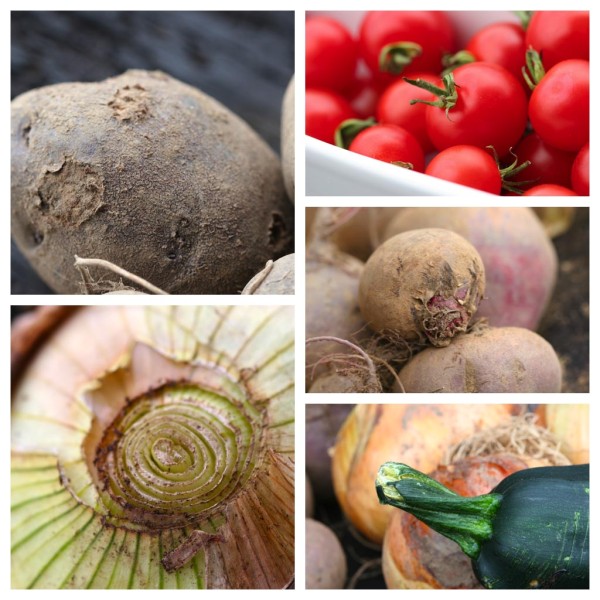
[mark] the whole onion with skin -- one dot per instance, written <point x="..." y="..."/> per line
<point x="519" y="259"/>
<point x="416" y="434"/>
<point x="152" y="447"/>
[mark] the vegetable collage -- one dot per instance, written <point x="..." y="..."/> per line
<point x="247" y="246"/>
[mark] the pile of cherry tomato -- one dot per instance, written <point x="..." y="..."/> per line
<point x="508" y="113"/>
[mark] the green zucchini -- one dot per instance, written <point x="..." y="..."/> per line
<point x="530" y="531"/>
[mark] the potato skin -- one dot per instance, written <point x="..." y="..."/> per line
<point x="148" y="173"/>
<point x="279" y="279"/>
<point x="492" y="360"/>
<point x="287" y="141"/>
<point x="326" y="567"/>
<point x="520" y="261"/>
<point x="422" y="284"/>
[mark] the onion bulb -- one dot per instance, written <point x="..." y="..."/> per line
<point x="416" y="434"/>
<point x="153" y="447"/>
<point x="570" y="423"/>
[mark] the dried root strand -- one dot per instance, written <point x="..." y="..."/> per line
<point x="258" y="279"/>
<point x="366" y="363"/>
<point x="370" y="568"/>
<point x="521" y="436"/>
<point x="391" y="352"/>
<point x="82" y="265"/>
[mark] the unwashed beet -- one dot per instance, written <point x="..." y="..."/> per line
<point x="502" y="359"/>
<point x="519" y="259"/>
<point x="422" y="284"/>
<point x="331" y="304"/>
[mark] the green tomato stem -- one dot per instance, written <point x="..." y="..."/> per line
<point x="448" y="95"/>
<point x="453" y="61"/>
<point x="534" y="70"/>
<point x="349" y="129"/>
<point x="393" y="58"/>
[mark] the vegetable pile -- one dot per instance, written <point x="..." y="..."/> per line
<point x="469" y="495"/>
<point x="506" y="112"/>
<point x="448" y="300"/>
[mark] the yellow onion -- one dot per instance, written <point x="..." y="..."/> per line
<point x="416" y="434"/>
<point x="153" y="447"/>
<point x="570" y="423"/>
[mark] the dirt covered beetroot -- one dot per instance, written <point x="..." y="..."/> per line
<point x="422" y="284"/>
<point x="488" y="359"/>
<point x="520" y="261"/>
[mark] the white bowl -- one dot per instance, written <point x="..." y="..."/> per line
<point x="332" y="171"/>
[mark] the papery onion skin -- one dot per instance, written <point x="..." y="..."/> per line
<point x="107" y="494"/>
<point x="415" y="434"/>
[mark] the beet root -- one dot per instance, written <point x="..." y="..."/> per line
<point x="422" y="284"/>
<point x="520" y="261"/>
<point x="488" y="359"/>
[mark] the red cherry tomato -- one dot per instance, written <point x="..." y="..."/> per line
<point x="502" y="44"/>
<point x="391" y="144"/>
<point x="549" y="189"/>
<point x="559" y="108"/>
<point x="490" y="110"/>
<point x="580" y="174"/>
<point x="467" y="165"/>
<point x="548" y="164"/>
<point x="394" y="107"/>
<point x="559" y="35"/>
<point x="364" y="95"/>
<point x="325" y="110"/>
<point x="331" y="54"/>
<point x="431" y="30"/>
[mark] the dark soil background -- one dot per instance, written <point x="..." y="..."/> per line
<point x="243" y="59"/>
<point x="566" y="324"/>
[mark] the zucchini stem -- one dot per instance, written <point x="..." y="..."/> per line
<point x="465" y="520"/>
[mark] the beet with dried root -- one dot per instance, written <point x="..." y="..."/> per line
<point x="150" y="174"/>
<point x="422" y="284"/>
